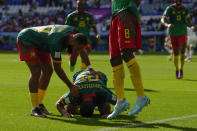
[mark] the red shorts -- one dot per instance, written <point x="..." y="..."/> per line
<point x="176" y="41"/>
<point x="88" y="49"/>
<point x="31" y="54"/>
<point x="125" y="32"/>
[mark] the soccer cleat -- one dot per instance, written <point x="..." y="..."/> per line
<point x="139" y="105"/>
<point x="119" y="109"/>
<point x="37" y="112"/>
<point x="180" y="74"/>
<point x="177" y="74"/>
<point x="188" y="59"/>
<point x="44" y="110"/>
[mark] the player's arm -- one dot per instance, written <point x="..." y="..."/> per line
<point x="189" y="23"/>
<point x="93" y="25"/>
<point x="60" y="107"/>
<point x="84" y="56"/>
<point x="62" y="75"/>
<point x="164" y="18"/>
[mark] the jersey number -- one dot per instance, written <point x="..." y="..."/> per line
<point x="90" y="78"/>
<point x="48" y="29"/>
<point x="178" y="17"/>
<point x="127" y="33"/>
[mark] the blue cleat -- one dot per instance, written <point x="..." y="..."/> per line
<point x="119" y="109"/>
<point x="139" y="105"/>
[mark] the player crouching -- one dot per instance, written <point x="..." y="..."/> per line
<point x="93" y="92"/>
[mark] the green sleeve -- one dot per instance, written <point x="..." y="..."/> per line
<point x="92" y="23"/>
<point x="68" y="99"/>
<point x="68" y="20"/>
<point x="167" y="12"/>
<point x="56" y="55"/>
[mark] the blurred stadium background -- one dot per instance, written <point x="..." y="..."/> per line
<point x="18" y="14"/>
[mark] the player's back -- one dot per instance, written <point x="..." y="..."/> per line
<point x="43" y="37"/>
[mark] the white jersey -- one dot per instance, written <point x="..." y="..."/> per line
<point x="192" y="38"/>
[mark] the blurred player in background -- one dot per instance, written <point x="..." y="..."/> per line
<point x="83" y="21"/>
<point x="191" y="44"/>
<point x="93" y="92"/>
<point x="124" y="39"/>
<point x="36" y="47"/>
<point x="179" y="19"/>
<point x="167" y="45"/>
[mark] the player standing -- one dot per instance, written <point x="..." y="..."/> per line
<point x="191" y="44"/>
<point x="179" y="19"/>
<point x="124" y="39"/>
<point x="83" y="21"/>
<point x="36" y="47"/>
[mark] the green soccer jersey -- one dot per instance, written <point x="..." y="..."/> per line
<point x="47" y="38"/>
<point x="91" y="86"/>
<point x="83" y="22"/>
<point x="119" y="5"/>
<point x="177" y="17"/>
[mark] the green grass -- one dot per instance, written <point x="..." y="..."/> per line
<point x="169" y="97"/>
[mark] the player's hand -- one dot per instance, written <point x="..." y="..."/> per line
<point x="194" y="28"/>
<point x="170" y="25"/>
<point x="68" y="115"/>
<point x="74" y="91"/>
<point x="94" y="72"/>
<point x="99" y="39"/>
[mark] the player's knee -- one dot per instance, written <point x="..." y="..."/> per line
<point x="127" y="54"/>
<point x="36" y="72"/>
<point x="115" y="61"/>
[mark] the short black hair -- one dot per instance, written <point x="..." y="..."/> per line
<point x="87" y="108"/>
<point x="81" y="38"/>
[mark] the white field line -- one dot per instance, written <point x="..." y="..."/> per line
<point x="146" y="123"/>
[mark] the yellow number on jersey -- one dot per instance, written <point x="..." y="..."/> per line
<point x="82" y="24"/>
<point x="127" y="33"/>
<point x="45" y="29"/>
<point x="178" y="17"/>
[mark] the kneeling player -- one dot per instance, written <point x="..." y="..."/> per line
<point x="93" y="93"/>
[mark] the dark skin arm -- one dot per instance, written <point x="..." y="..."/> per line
<point x="189" y="23"/>
<point x="97" y="35"/>
<point x="84" y="56"/>
<point x="61" y="109"/>
<point x="165" y="23"/>
<point x="62" y="75"/>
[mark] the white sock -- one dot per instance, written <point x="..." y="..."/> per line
<point x="191" y="53"/>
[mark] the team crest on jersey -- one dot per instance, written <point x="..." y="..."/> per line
<point x="179" y="12"/>
<point x="184" y="12"/>
<point x="75" y="19"/>
<point x="173" y="12"/>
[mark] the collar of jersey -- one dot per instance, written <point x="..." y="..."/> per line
<point x="177" y="6"/>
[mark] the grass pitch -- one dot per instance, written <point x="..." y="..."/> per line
<point x="170" y="98"/>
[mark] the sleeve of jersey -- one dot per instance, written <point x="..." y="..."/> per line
<point x="68" y="99"/>
<point x="92" y="23"/>
<point x="166" y="12"/>
<point x="56" y="56"/>
<point x="68" y="20"/>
